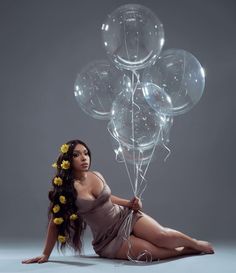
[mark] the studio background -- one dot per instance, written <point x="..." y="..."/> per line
<point x="44" y="44"/>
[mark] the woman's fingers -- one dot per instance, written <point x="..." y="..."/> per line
<point x="135" y="200"/>
<point x="132" y="200"/>
<point x="135" y="203"/>
<point x="33" y="260"/>
<point x="29" y="261"/>
<point x="40" y="259"/>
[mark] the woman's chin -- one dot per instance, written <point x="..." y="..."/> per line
<point x="86" y="168"/>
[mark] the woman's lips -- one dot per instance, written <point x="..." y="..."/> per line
<point x="84" y="164"/>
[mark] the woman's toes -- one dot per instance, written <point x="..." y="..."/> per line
<point x="205" y="247"/>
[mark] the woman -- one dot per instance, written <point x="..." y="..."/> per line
<point x="80" y="197"/>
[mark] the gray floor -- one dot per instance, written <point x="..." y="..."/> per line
<point x="11" y="254"/>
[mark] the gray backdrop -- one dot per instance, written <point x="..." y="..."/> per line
<point x="44" y="44"/>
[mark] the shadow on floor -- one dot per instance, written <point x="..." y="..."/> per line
<point x="90" y="260"/>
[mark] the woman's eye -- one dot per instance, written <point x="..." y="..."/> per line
<point x="75" y="155"/>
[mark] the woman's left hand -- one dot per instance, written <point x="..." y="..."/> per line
<point x="135" y="204"/>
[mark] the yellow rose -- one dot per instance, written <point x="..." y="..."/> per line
<point x="64" y="148"/>
<point x="56" y="208"/>
<point x="58" y="221"/>
<point x="65" y="164"/>
<point x="54" y="165"/>
<point x="61" y="239"/>
<point x="57" y="181"/>
<point x="62" y="199"/>
<point x="73" y="217"/>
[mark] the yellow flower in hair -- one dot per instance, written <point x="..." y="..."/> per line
<point x="61" y="239"/>
<point x="73" y="217"/>
<point x="57" y="181"/>
<point x="65" y="164"/>
<point x="56" y="208"/>
<point x="62" y="199"/>
<point x="64" y="148"/>
<point x="58" y="221"/>
<point x="54" y="165"/>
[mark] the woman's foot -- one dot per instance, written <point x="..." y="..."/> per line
<point x="204" y="246"/>
<point x="188" y="250"/>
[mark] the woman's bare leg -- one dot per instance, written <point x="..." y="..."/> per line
<point x="150" y="230"/>
<point x="138" y="245"/>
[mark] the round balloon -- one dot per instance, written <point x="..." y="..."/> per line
<point x="157" y="98"/>
<point x="131" y="155"/>
<point x="181" y="76"/>
<point x="96" y="87"/>
<point x="135" y="124"/>
<point x="141" y="156"/>
<point x="133" y="36"/>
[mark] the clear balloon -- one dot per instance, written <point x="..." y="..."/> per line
<point x="181" y="76"/>
<point x="129" y="154"/>
<point x="96" y="87"/>
<point x="135" y="123"/>
<point x="133" y="36"/>
<point x="157" y="98"/>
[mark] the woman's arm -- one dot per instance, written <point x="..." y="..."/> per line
<point x="134" y="204"/>
<point x="120" y="201"/>
<point x="51" y="239"/>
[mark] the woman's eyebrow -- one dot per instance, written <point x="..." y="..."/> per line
<point x="79" y="151"/>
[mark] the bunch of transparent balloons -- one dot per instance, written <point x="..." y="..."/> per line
<point x="139" y="88"/>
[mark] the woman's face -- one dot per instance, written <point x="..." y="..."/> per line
<point x="81" y="159"/>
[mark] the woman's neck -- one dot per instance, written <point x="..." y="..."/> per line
<point x="81" y="176"/>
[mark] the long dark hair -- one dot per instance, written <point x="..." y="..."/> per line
<point x="70" y="229"/>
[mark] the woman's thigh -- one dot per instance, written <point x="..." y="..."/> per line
<point x="150" y="230"/>
<point x="138" y="245"/>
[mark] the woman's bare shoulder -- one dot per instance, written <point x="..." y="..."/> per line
<point x="99" y="175"/>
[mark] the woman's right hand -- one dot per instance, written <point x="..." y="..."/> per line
<point x="135" y="204"/>
<point x="40" y="259"/>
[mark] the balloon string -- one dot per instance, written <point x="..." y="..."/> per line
<point x="127" y="170"/>
<point x="127" y="231"/>
<point x="135" y="169"/>
<point x="143" y="179"/>
<point x="140" y="174"/>
<point x="132" y="123"/>
<point x="137" y="76"/>
<point x="137" y="186"/>
<point x="138" y="167"/>
<point x="169" y="152"/>
<point x="151" y="155"/>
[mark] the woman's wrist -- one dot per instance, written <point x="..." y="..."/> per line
<point x="129" y="204"/>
